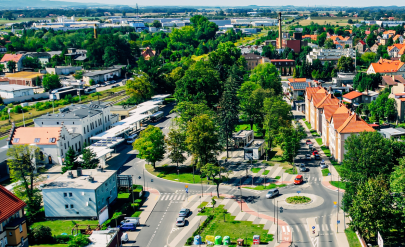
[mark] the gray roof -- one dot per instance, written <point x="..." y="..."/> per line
<point x="75" y="112"/>
<point x="299" y="85"/>
<point x="394" y="131"/>
<point x="100" y="72"/>
<point x="14" y="87"/>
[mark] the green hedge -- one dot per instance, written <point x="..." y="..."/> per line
<point x="62" y="239"/>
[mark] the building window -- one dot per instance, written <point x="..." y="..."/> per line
<point x="22" y="240"/>
<point x="11" y="234"/>
<point x="66" y="206"/>
<point x="57" y="122"/>
<point x="84" y="130"/>
<point x="70" y="194"/>
<point x="21" y="228"/>
<point x="61" y="152"/>
<point x="65" y="145"/>
<point x="71" y="206"/>
<point x="76" y="146"/>
<point x="64" y="194"/>
<point x="68" y="144"/>
<point x="87" y="128"/>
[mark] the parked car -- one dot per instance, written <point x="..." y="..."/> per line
<point x="103" y="84"/>
<point x="310" y="146"/>
<point x="314" y="152"/>
<point x="323" y="165"/>
<point x="272" y="193"/>
<point x="128" y="227"/>
<point x="134" y="221"/>
<point x="115" y="85"/>
<point x="298" y="180"/>
<point x="308" y="156"/>
<point x="132" y="138"/>
<point x="317" y="157"/>
<point x="113" y="81"/>
<point x="124" y="237"/>
<point x="303" y="168"/>
<point x="314" y="149"/>
<point x="181" y="221"/>
<point x="308" y="142"/>
<point x="184" y="212"/>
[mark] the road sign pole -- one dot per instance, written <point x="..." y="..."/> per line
<point x="277" y="221"/>
<point x="337" y="214"/>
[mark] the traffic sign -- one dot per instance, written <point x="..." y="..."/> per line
<point x="281" y="209"/>
<point x="338" y="221"/>
<point x="186" y="190"/>
<point x="329" y="174"/>
<point x="139" y="177"/>
<point x="335" y="203"/>
<point x="186" y="186"/>
<point x="238" y="187"/>
<point x="313" y="227"/>
<point x="298" y="192"/>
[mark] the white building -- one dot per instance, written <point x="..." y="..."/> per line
<point x="390" y="23"/>
<point x="13" y="91"/>
<point x="331" y="55"/>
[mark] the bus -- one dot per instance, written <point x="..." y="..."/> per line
<point x="156" y="116"/>
<point x="90" y="90"/>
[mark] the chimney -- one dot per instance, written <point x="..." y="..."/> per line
<point x="99" y="169"/>
<point x="70" y="174"/>
<point x="90" y="179"/>
<point x="280" y="35"/>
<point x="79" y="171"/>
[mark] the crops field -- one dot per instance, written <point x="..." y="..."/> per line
<point x="341" y="21"/>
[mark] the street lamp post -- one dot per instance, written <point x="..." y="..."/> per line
<point x="240" y="188"/>
<point x="143" y="179"/>
<point x="337" y="213"/>
<point x="277" y="222"/>
<point x="178" y="173"/>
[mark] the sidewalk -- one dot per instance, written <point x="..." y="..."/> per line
<point x="331" y="168"/>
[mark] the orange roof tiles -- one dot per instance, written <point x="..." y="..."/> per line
<point x="396" y="37"/>
<point x="402" y="51"/>
<point x="27" y="135"/>
<point x="13" y="57"/>
<point x="341" y="110"/>
<point x="391" y="32"/>
<point x="339" y="119"/>
<point x="329" y="110"/>
<point x="311" y="90"/>
<point x="297" y="79"/>
<point x="354" y="124"/>
<point x="384" y="65"/>
<point x="318" y="96"/>
<point x="352" y="95"/>
<point x="10" y="204"/>
<point x="329" y="99"/>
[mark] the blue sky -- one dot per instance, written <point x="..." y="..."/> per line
<point x="356" y="3"/>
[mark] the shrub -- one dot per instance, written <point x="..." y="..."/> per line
<point x="135" y="205"/>
<point x="62" y="239"/>
<point x="79" y="241"/>
<point x="190" y="241"/>
<point x="41" y="235"/>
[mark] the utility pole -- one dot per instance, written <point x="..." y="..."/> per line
<point x="22" y="110"/>
<point x="277" y="221"/>
<point x="240" y="188"/>
<point x="337" y="214"/>
<point x="144" y="179"/>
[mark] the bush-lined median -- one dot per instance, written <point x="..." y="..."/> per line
<point x="298" y="199"/>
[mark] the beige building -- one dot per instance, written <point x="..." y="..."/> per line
<point x="398" y="93"/>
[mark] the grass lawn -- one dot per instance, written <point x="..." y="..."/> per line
<point x="170" y="173"/>
<point x="352" y="238"/>
<point x="325" y="172"/>
<point x="255" y="169"/>
<point x="342" y="185"/>
<point x="266" y="172"/>
<point x="136" y="214"/>
<point x="308" y="125"/>
<point x="247" y="127"/>
<point x="314" y="133"/>
<point x="319" y="141"/>
<point x="341" y="21"/>
<point x="233" y="229"/>
<point x="63" y="226"/>
<point x="326" y="151"/>
<point x="123" y="195"/>
<point x="49" y="245"/>
<point x="298" y="199"/>
<point x="338" y="167"/>
<point x="277" y="177"/>
<point x="269" y="186"/>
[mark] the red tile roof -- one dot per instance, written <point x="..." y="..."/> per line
<point x="341" y="110"/>
<point x="318" y="96"/>
<point x="328" y="110"/>
<point x="297" y="79"/>
<point x="8" y="57"/>
<point x="362" y="42"/>
<point x="352" y="95"/>
<point x="339" y="119"/>
<point x="384" y="66"/>
<point x="27" y="135"/>
<point x="10" y="204"/>
<point x="311" y="90"/>
<point x="354" y="124"/>
<point x="329" y="99"/>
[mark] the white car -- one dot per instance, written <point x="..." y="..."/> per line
<point x="181" y="221"/>
<point x="308" y="156"/>
<point x="323" y="164"/>
<point x="124" y="237"/>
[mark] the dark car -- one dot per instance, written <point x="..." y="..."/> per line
<point x="115" y="85"/>
<point x="303" y="168"/>
<point x="128" y="227"/>
<point x="314" y="152"/>
<point x="317" y="157"/>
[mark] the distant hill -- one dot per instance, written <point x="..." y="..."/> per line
<point x="18" y="4"/>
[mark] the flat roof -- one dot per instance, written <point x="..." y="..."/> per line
<point x="102" y="238"/>
<point x="254" y="144"/>
<point x="100" y="72"/>
<point x="14" y="87"/>
<point x="120" y="127"/>
<point x="242" y="133"/>
<point x="23" y="74"/>
<point x="81" y="182"/>
<point x="394" y="131"/>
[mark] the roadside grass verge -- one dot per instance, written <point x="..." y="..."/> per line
<point x="352" y="238"/>
<point x="341" y="185"/>
<point x="325" y="172"/>
<point x="314" y="133"/>
<point x="308" y="125"/>
<point x="326" y="151"/>
<point x="255" y="169"/>
<point x="267" y="187"/>
<point x="185" y="174"/>
<point x="266" y="172"/>
<point x="63" y="226"/>
<point x="319" y="141"/>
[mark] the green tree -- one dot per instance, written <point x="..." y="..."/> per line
<point x="70" y="162"/>
<point x="139" y="88"/>
<point x="329" y="44"/>
<point x="228" y="114"/>
<point x="78" y="75"/>
<point x="345" y="64"/>
<point x="176" y="143"/>
<point x="156" y="24"/>
<point x="79" y="240"/>
<point x="277" y="115"/>
<point x="371" y="38"/>
<point x="368" y="57"/>
<point x="187" y="110"/>
<point x="202" y="140"/>
<point x="267" y="76"/>
<point x="397" y="182"/>
<point x="215" y="173"/>
<point x="22" y="162"/>
<point x="110" y="57"/>
<point x="41" y="235"/>
<point x="403" y="58"/>
<point x="289" y="139"/>
<point x="50" y="82"/>
<point x="89" y="160"/>
<point x="372" y="211"/>
<point x="383" y="108"/>
<point x="32" y="63"/>
<point x="250" y="107"/>
<point x="11" y="66"/>
<point x="151" y="144"/>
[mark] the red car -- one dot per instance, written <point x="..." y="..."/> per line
<point x="308" y="142"/>
<point x="298" y="179"/>
<point x="314" y="152"/>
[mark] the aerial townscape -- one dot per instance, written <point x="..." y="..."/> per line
<point x="218" y="123"/>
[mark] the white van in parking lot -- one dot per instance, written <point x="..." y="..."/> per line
<point x="131" y="138"/>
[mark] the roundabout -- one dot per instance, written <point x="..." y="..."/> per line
<point x="313" y="201"/>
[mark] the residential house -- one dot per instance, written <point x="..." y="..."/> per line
<point x="316" y="98"/>
<point x="342" y="41"/>
<point x="392" y="133"/>
<point x="80" y="194"/>
<point x="343" y="79"/>
<point x="393" y="51"/>
<point x="53" y="142"/>
<point x="335" y="121"/>
<point x="387" y="67"/>
<point x="392" y="80"/>
<point x="356" y="98"/>
<point x="328" y="110"/>
<point x="329" y="99"/>
<point x="330" y="55"/>
<point x="284" y="66"/>
<point x="43" y="57"/>
<point x="398" y="37"/>
<point x="310" y="37"/>
<point x="148" y="53"/>
<point x="106" y="238"/>
<point x="3" y="49"/>
<point x="308" y="98"/>
<point x="13" y="225"/>
<point x="252" y="60"/>
<point x="389" y="33"/>
<point x="398" y="93"/>
<point x="17" y="58"/>
<point x="297" y="89"/>
<point x="361" y="46"/>
<point x="374" y="48"/>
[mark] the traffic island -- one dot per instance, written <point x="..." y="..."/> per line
<point x="298" y="200"/>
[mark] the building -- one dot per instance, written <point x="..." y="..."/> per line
<point x="387" y="67"/>
<point x="398" y="37"/>
<point x="148" y="53"/>
<point x="99" y="76"/>
<point x="297" y="89"/>
<point x="17" y="58"/>
<point x="392" y="80"/>
<point x="243" y="137"/>
<point x="53" y="142"/>
<point x="284" y="66"/>
<point x="392" y="133"/>
<point x="24" y="78"/>
<point x="389" y="23"/>
<point x="43" y="57"/>
<point x="80" y="194"/>
<point x="106" y="238"/>
<point x="374" y="48"/>
<point x="3" y="49"/>
<point x="250" y="48"/>
<point x="14" y="91"/>
<point x="330" y="55"/>
<point x="13" y="225"/>
<point x="252" y="60"/>
<point x="343" y="79"/>
<point x="84" y="120"/>
<point x="393" y="51"/>
<point x="63" y="70"/>
<point x="353" y="97"/>
<point x="254" y="150"/>
<point x="341" y="41"/>
<point x="398" y="93"/>
<point x="361" y="46"/>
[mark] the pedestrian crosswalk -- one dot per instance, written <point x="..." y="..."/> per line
<point x="323" y="229"/>
<point x="173" y="197"/>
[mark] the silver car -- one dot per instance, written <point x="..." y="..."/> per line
<point x="323" y="164"/>
<point x="303" y="168"/>
<point x="184" y="212"/>
<point x="308" y="156"/>
<point x="181" y="221"/>
<point x="272" y="193"/>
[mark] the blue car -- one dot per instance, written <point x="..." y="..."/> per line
<point x="128" y="227"/>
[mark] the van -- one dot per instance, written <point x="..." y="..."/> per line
<point x="298" y="179"/>
<point x="131" y="138"/>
